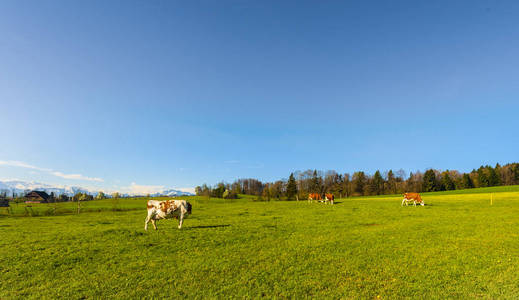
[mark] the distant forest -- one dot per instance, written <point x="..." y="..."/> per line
<point x="301" y="183"/>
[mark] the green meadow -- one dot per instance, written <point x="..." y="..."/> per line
<point x="457" y="246"/>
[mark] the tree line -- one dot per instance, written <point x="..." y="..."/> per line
<point x="300" y="183"/>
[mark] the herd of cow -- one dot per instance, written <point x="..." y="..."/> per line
<point x="328" y="198"/>
<point x="180" y="209"/>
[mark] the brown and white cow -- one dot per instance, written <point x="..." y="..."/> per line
<point x="178" y="209"/>
<point x="314" y="196"/>
<point x="412" y="197"/>
<point x="329" y="198"/>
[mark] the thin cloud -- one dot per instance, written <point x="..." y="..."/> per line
<point x="187" y="189"/>
<point x="21" y="164"/>
<point x="76" y="176"/>
<point x="137" y="189"/>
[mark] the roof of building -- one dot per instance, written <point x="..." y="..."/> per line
<point x="42" y="194"/>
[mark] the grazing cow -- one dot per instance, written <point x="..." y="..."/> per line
<point x="329" y="198"/>
<point x="178" y="209"/>
<point x="412" y="197"/>
<point x="314" y="196"/>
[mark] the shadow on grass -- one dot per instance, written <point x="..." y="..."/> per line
<point x="369" y="224"/>
<point x="210" y="226"/>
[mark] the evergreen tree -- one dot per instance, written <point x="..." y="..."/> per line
<point x="291" y="187"/>
<point x="447" y="183"/>
<point x="482" y="177"/>
<point x="466" y="182"/>
<point x="493" y="177"/>
<point x="515" y="174"/>
<point x="391" y="184"/>
<point x="359" y="182"/>
<point x="315" y="185"/>
<point x="377" y="183"/>
<point x="429" y="181"/>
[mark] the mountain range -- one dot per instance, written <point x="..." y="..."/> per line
<point x="22" y="187"/>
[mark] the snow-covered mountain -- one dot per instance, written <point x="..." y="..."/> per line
<point x="21" y="187"/>
<point x="171" y="193"/>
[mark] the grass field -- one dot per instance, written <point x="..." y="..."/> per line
<point x="457" y="246"/>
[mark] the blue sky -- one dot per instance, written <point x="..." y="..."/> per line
<point x="122" y="95"/>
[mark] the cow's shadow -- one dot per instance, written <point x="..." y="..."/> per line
<point x="209" y="226"/>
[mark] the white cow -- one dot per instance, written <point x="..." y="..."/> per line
<point x="178" y="209"/>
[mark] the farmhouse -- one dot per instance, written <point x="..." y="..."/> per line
<point x="37" y="197"/>
<point x="4" y="202"/>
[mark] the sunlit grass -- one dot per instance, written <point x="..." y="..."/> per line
<point x="457" y="246"/>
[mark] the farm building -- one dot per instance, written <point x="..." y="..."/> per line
<point x="37" y="197"/>
<point x="4" y="202"/>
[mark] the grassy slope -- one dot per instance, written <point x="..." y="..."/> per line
<point x="456" y="246"/>
<point x="494" y="189"/>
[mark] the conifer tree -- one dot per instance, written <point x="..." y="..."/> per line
<point x="378" y="183"/>
<point x="391" y="188"/>
<point x="447" y="182"/>
<point x="359" y="181"/>
<point x="482" y="177"/>
<point x="315" y="186"/>
<point x="291" y="187"/>
<point x="429" y="181"/>
<point x="466" y="182"/>
<point x="493" y="177"/>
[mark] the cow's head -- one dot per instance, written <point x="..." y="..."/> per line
<point x="188" y="207"/>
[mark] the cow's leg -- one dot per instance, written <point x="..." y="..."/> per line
<point x="403" y="200"/>
<point x="180" y="221"/>
<point x="154" y="225"/>
<point x="148" y="219"/>
<point x="414" y="202"/>
<point x="146" y="222"/>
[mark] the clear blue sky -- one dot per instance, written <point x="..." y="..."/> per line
<point x="178" y="93"/>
